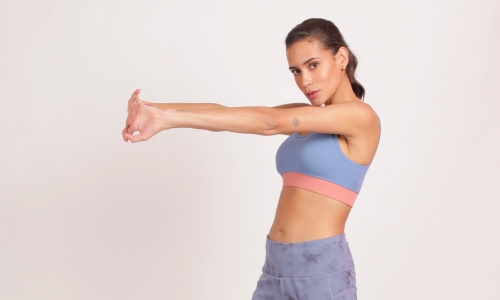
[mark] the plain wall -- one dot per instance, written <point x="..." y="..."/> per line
<point x="84" y="215"/>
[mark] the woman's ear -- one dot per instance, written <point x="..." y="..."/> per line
<point x="342" y="57"/>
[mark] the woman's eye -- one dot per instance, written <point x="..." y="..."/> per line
<point x="314" y="65"/>
<point x="295" y="72"/>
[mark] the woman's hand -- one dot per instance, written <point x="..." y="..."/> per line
<point x="143" y="117"/>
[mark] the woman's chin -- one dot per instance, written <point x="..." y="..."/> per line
<point x="316" y="103"/>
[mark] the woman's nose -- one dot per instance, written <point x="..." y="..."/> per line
<point x="306" y="80"/>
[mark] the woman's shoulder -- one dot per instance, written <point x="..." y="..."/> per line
<point x="361" y="111"/>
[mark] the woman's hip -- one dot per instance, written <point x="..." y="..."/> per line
<point x="308" y="258"/>
<point x="316" y="269"/>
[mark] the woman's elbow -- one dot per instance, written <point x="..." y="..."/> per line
<point x="269" y="120"/>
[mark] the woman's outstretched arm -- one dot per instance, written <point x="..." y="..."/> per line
<point x="349" y="119"/>
<point x="195" y="106"/>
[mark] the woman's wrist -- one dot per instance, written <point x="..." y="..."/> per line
<point x="168" y="117"/>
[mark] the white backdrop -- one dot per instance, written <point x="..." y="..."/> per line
<point x="84" y="215"/>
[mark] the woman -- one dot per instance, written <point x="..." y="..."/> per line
<point x="323" y="162"/>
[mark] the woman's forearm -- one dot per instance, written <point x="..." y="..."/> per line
<point x="185" y="106"/>
<point x="251" y="119"/>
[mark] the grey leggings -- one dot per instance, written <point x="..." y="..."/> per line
<point x="313" y="270"/>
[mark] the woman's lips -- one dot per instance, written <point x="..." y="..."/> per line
<point x="312" y="94"/>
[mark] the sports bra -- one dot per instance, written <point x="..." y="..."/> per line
<point x="316" y="163"/>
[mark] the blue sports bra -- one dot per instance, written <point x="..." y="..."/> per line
<point x="315" y="162"/>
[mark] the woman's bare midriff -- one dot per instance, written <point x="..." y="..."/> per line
<point x="303" y="215"/>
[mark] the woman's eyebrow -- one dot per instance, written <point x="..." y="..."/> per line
<point x="293" y="67"/>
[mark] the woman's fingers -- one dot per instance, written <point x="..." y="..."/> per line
<point x="134" y="112"/>
<point x="141" y="122"/>
<point x="134" y="105"/>
<point x="133" y="108"/>
<point x="133" y="138"/>
<point x="135" y="93"/>
<point x="124" y="131"/>
<point x="134" y="100"/>
<point x="128" y="135"/>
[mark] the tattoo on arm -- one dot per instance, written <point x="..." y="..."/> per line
<point x="295" y="122"/>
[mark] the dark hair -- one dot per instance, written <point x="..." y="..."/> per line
<point x="331" y="39"/>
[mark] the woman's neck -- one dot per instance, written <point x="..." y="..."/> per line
<point x="344" y="93"/>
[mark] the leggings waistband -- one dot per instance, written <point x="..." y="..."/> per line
<point x="308" y="258"/>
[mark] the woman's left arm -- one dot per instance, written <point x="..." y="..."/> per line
<point x="348" y="118"/>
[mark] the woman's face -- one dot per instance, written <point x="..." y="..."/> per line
<point x="317" y="71"/>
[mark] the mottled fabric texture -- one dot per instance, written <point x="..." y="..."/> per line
<point x="320" y="269"/>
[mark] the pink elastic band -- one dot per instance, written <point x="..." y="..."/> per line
<point x="320" y="186"/>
